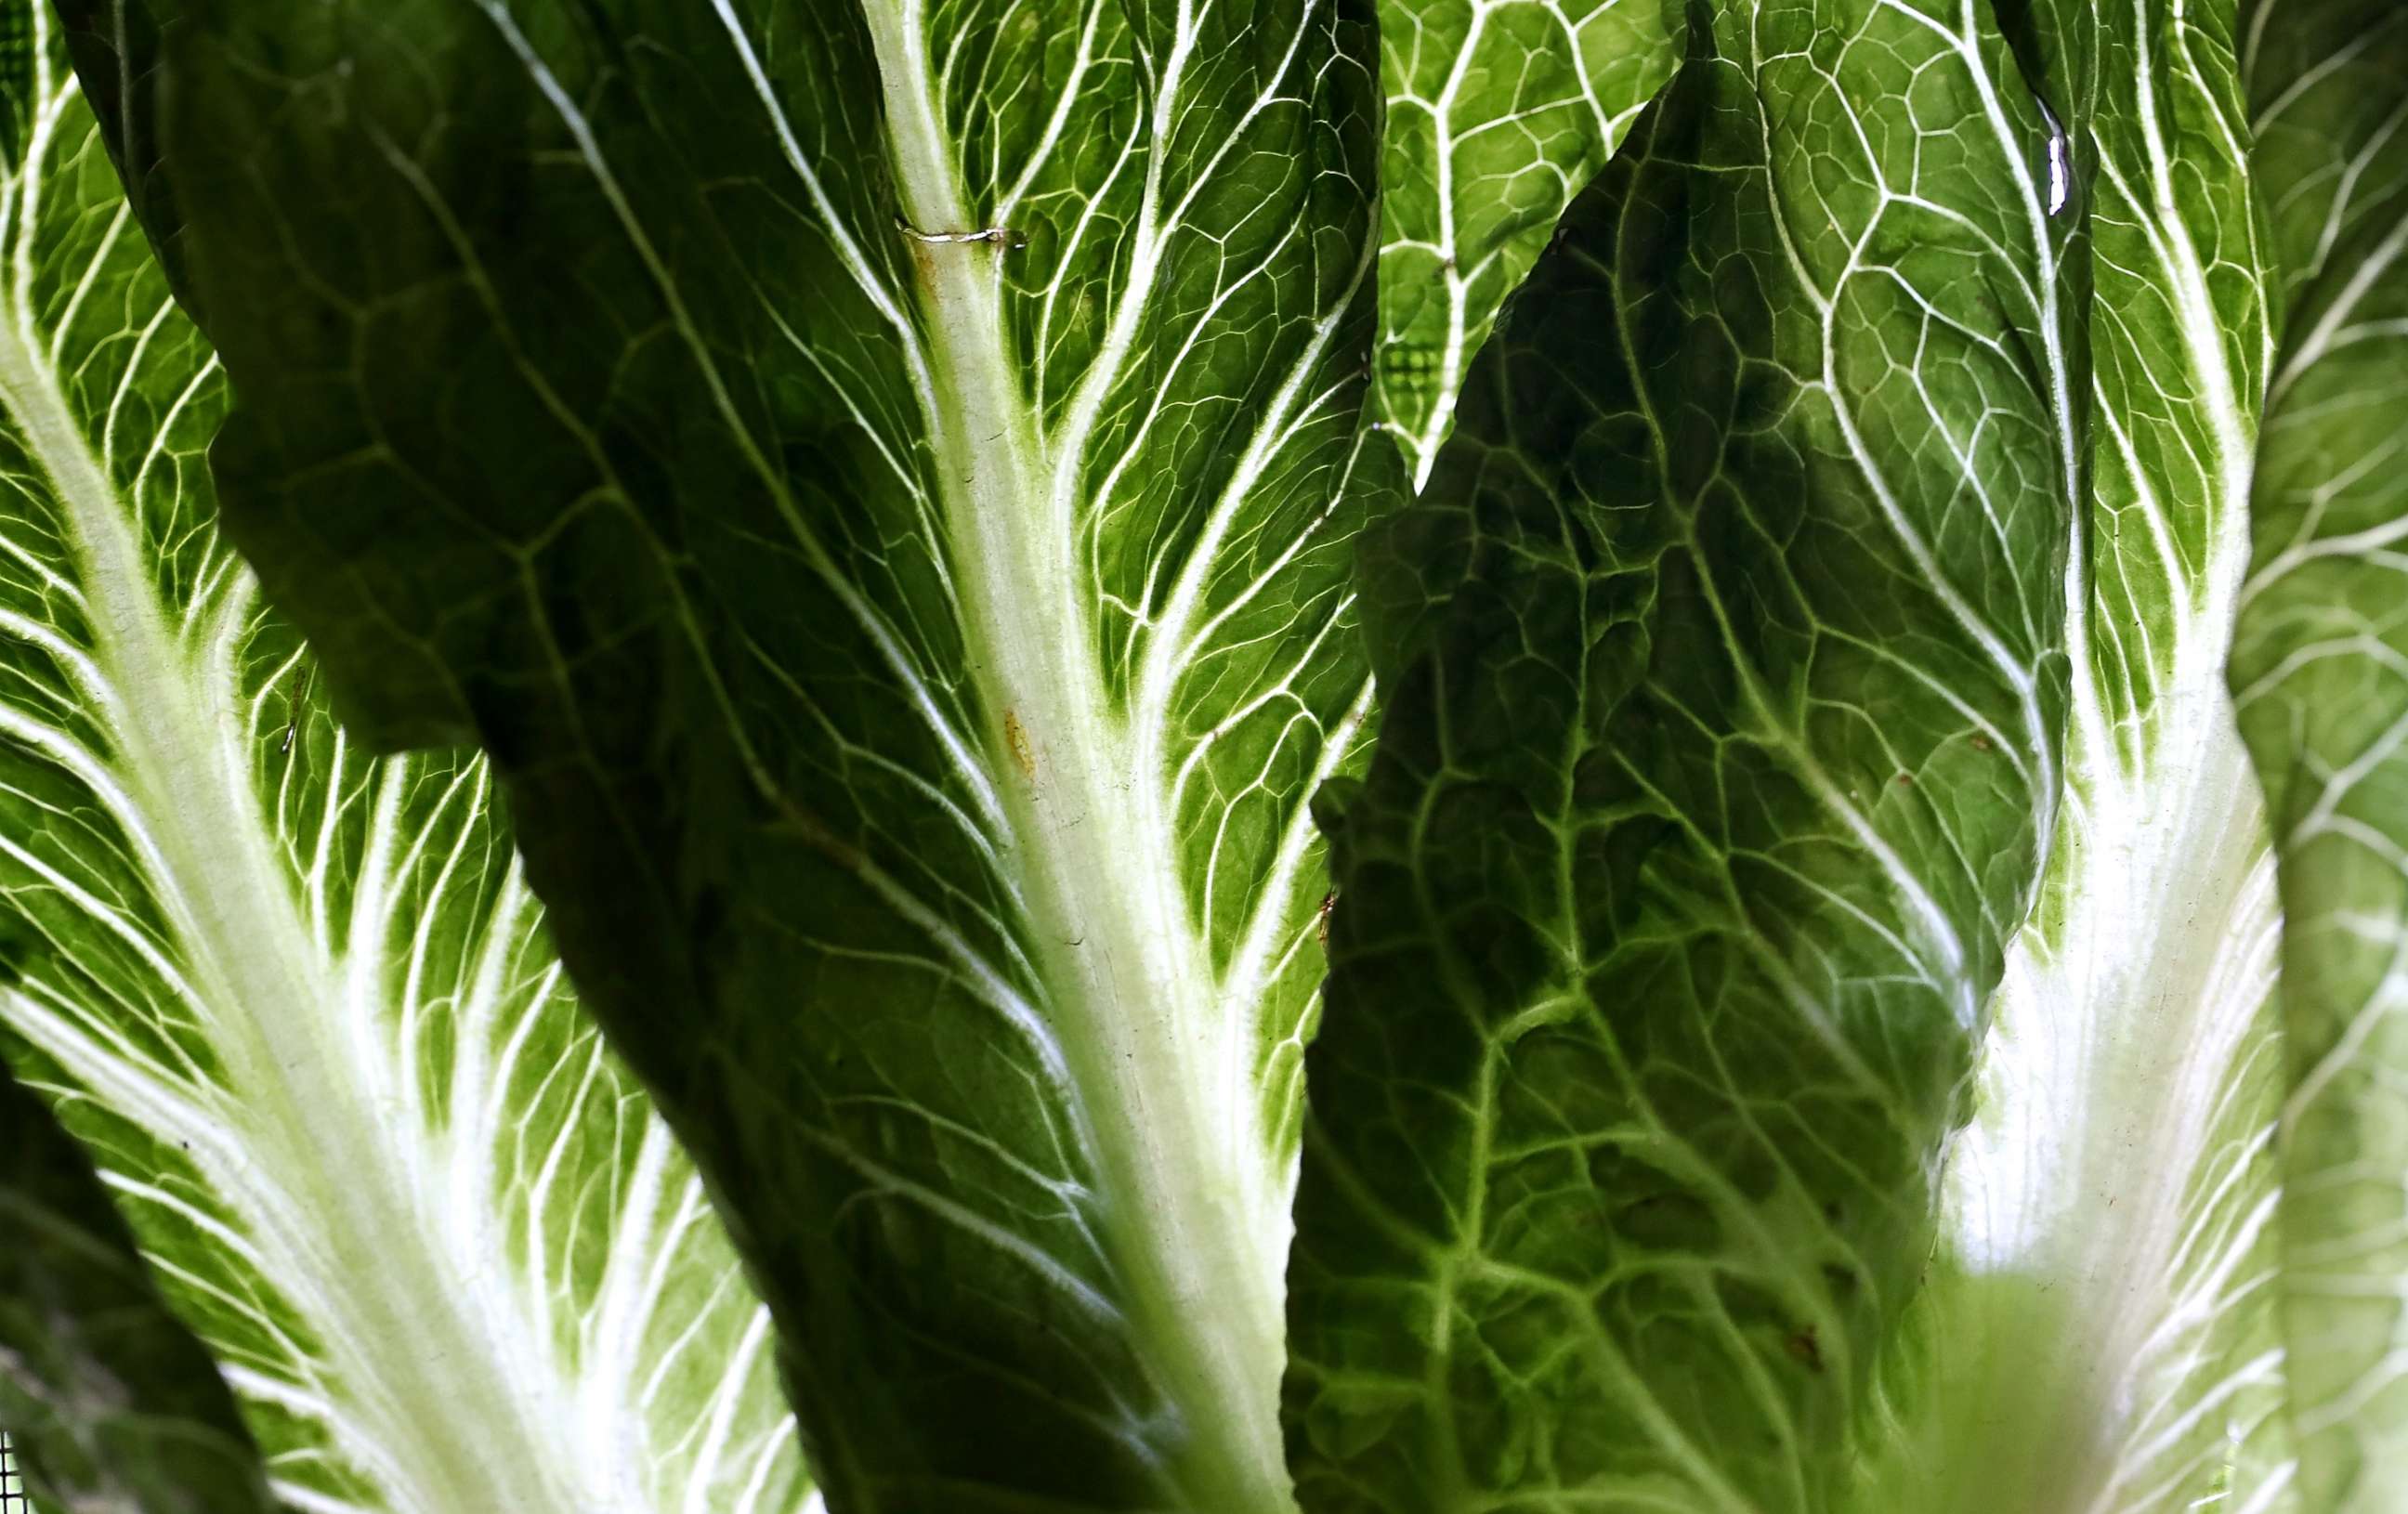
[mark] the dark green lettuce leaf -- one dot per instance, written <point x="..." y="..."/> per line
<point x="1725" y="678"/>
<point x="111" y="1406"/>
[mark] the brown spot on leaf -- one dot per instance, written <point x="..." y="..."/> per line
<point x="1023" y="753"/>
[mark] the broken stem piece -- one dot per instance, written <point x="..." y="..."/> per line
<point x="1000" y="235"/>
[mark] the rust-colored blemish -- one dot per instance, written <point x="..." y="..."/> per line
<point x="1024" y="754"/>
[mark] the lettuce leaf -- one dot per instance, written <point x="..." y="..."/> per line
<point x="296" y="1003"/>
<point x="1498" y="112"/>
<point x="878" y="482"/>
<point x="1726" y="676"/>
<point x="913" y="500"/>
<point x="110" y="1403"/>
<point x="2317" y="674"/>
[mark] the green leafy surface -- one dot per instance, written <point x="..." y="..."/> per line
<point x="112" y="1407"/>
<point x="1725" y="668"/>
<point x="876" y="480"/>
<point x="298" y="1004"/>
<point x="1499" y="111"/>
<point x="2095" y="1332"/>
<point x="2320" y="674"/>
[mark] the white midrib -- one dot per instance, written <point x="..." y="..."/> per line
<point x="2112" y="1056"/>
<point x="453" y="1435"/>
<point x="1132" y="996"/>
<point x="2105" y="1086"/>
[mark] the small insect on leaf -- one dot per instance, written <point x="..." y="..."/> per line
<point x="1321" y="916"/>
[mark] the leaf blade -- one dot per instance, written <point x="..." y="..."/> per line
<point x="2311" y="679"/>
<point x="907" y="647"/>
<point x="2116" y="1310"/>
<point x="300" y="1004"/>
<point x="1648" y="934"/>
<point x="1497" y="115"/>
<point x="111" y="1404"/>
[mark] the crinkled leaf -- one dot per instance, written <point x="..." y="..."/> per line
<point x="1727" y="642"/>
<point x="298" y="1004"/>
<point x="2321" y="673"/>
<point x="876" y="480"/>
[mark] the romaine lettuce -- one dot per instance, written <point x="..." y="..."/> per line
<point x="1746" y="523"/>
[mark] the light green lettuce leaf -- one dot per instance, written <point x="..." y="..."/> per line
<point x="2095" y="1333"/>
<point x="876" y="477"/>
<point x="111" y="1404"/>
<point x="1724" y="670"/>
<point x="2320" y="674"/>
<point x="297" y="1003"/>
<point x="1499" y="111"/>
